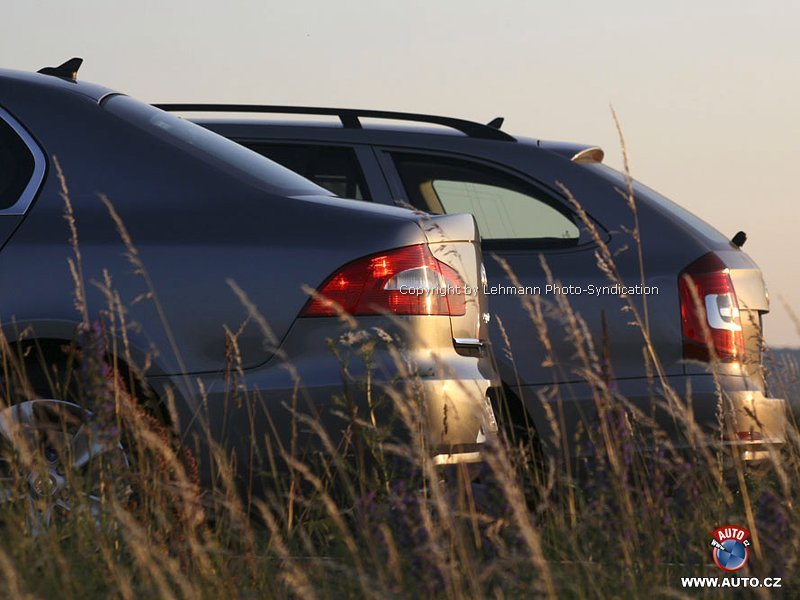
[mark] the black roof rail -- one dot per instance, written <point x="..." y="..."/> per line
<point x="349" y="116"/>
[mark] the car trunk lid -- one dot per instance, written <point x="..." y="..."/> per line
<point x="753" y="300"/>
<point x="454" y="240"/>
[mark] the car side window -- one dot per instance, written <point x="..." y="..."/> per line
<point x="16" y="166"/>
<point x="335" y="168"/>
<point x="505" y="208"/>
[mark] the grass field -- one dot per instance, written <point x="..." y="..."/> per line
<point x="619" y="523"/>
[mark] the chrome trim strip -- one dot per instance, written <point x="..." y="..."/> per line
<point x="457" y="458"/>
<point x="20" y="207"/>
<point x="468" y="342"/>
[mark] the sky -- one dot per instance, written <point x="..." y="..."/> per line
<point x="707" y="91"/>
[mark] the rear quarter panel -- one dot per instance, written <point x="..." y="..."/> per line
<point x="195" y="228"/>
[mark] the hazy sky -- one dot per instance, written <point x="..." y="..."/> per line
<point x="707" y="90"/>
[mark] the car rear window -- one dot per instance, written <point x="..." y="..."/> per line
<point x="660" y="201"/>
<point x="213" y="148"/>
<point x="335" y="168"/>
<point x="16" y="166"/>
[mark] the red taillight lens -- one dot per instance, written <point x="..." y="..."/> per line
<point x="718" y="311"/>
<point x="405" y="281"/>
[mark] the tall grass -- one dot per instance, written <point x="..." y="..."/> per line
<point x="370" y="516"/>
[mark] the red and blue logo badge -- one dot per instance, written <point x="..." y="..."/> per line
<point x="731" y="547"/>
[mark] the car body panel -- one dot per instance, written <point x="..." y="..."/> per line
<point x="7" y="225"/>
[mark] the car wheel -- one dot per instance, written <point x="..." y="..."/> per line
<point x="54" y="456"/>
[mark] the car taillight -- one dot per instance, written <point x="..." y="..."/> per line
<point x="405" y="281"/>
<point x="718" y="310"/>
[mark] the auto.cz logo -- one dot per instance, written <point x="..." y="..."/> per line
<point x="731" y="582"/>
<point x="731" y="547"/>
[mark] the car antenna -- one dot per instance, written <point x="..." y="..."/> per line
<point x="67" y="70"/>
<point x="739" y="239"/>
<point x="496" y="123"/>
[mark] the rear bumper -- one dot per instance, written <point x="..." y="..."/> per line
<point x="741" y="417"/>
<point x="756" y="419"/>
<point x="458" y="418"/>
<point x="353" y="387"/>
<point x="757" y="425"/>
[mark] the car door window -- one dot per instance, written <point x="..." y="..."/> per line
<point x="335" y="168"/>
<point x="505" y="208"/>
<point x="16" y="166"/>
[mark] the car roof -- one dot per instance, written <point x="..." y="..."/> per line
<point x="56" y="84"/>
